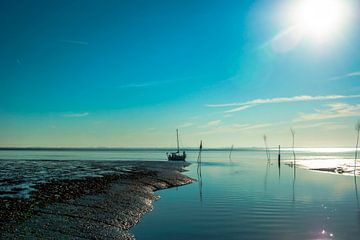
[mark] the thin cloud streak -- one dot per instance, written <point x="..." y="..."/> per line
<point x="233" y="128"/>
<point x="242" y="108"/>
<point x="323" y="125"/>
<point x="214" y="123"/>
<point x="353" y="74"/>
<point x="255" y="102"/>
<point x="242" y="127"/>
<point x="336" y="110"/>
<point x="75" y="42"/>
<point x="144" y="84"/>
<point x="185" y="125"/>
<point x="75" y="115"/>
<point x="348" y="75"/>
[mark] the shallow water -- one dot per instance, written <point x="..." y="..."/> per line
<point x="243" y="197"/>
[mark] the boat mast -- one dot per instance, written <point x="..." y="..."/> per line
<point x="177" y="137"/>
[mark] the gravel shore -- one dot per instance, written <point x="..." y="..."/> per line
<point x="102" y="199"/>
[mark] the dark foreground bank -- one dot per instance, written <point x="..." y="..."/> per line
<point x="80" y="199"/>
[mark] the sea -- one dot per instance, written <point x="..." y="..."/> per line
<point x="244" y="193"/>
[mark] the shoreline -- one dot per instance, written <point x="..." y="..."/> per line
<point x="99" y="206"/>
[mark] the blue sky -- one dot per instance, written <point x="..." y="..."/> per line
<point x="128" y="73"/>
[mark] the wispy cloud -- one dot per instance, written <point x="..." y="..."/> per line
<point x="185" y="125"/>
<point x="335" y="110"/>
<point x="19" y="61"/>
<point x="143" y="84"/>
<point x="245" y="105"/>
<point x="238" y="109"/>
<point x="75" y="115"/>
<point x="348" y="75"/>
<point x="212" y="124"/>
<point x="234" y="128"/>
<point x="353" y="74"/>
<point x="138" y="85"/>
<point x="323" y="125"/>
<point x="75" y="42"/>
<point x="152" y="83"/>
<point x="242" y="127"/>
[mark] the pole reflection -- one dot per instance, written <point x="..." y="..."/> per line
<point x="294" y="176"/>
<point x="293" y="185"/>
<point x="199" y="174"/>
<point x="279" y="157"/>
<point x="356" y="191"/>
<point x="231" y="149"/>
<point x="266" y="175"/>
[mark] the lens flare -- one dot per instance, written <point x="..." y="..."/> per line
<point x="320" y="19"/>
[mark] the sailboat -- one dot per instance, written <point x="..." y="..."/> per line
<point x="176" y="156"/>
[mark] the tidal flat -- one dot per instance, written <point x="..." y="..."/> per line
<point x="108" y="194"/>
<point x="54" y="199"/>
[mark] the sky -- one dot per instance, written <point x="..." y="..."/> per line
<point x="86" y="73"/>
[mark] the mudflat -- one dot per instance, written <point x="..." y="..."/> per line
<point x="80" y="199"/>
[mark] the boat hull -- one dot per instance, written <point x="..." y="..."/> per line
<point x="176" y="157"/>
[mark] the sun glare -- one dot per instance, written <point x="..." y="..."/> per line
<point x="320" y="18"/>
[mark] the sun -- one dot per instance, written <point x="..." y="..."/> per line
<point x="320" y="19"/>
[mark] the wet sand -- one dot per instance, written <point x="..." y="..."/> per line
<point x="102" y="199"/>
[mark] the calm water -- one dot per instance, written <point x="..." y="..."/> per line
<point x="244" y="197"/>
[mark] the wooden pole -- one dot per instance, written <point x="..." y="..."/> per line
<point x="177" y="137"/>
<point x="279" y="156"/>
<point x="231" y="149"/>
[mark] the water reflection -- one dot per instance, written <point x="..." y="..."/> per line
<point x="266" y="175"/>
<point x="279" y="168"/>
<point x="237" y="204"/>
<point x="294" y="180"/>
<point x="356" y="191"/>
<point x="294" y="165"/>
<point x="279" y="165"/>
<point x="231" y="149"/>
<point x="199" y="174"/>
<point x="267" y="164"/>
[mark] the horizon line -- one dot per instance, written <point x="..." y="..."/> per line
<point x="163" y="148"/>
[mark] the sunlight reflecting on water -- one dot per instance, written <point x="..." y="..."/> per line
<point x="245" y="196"/>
